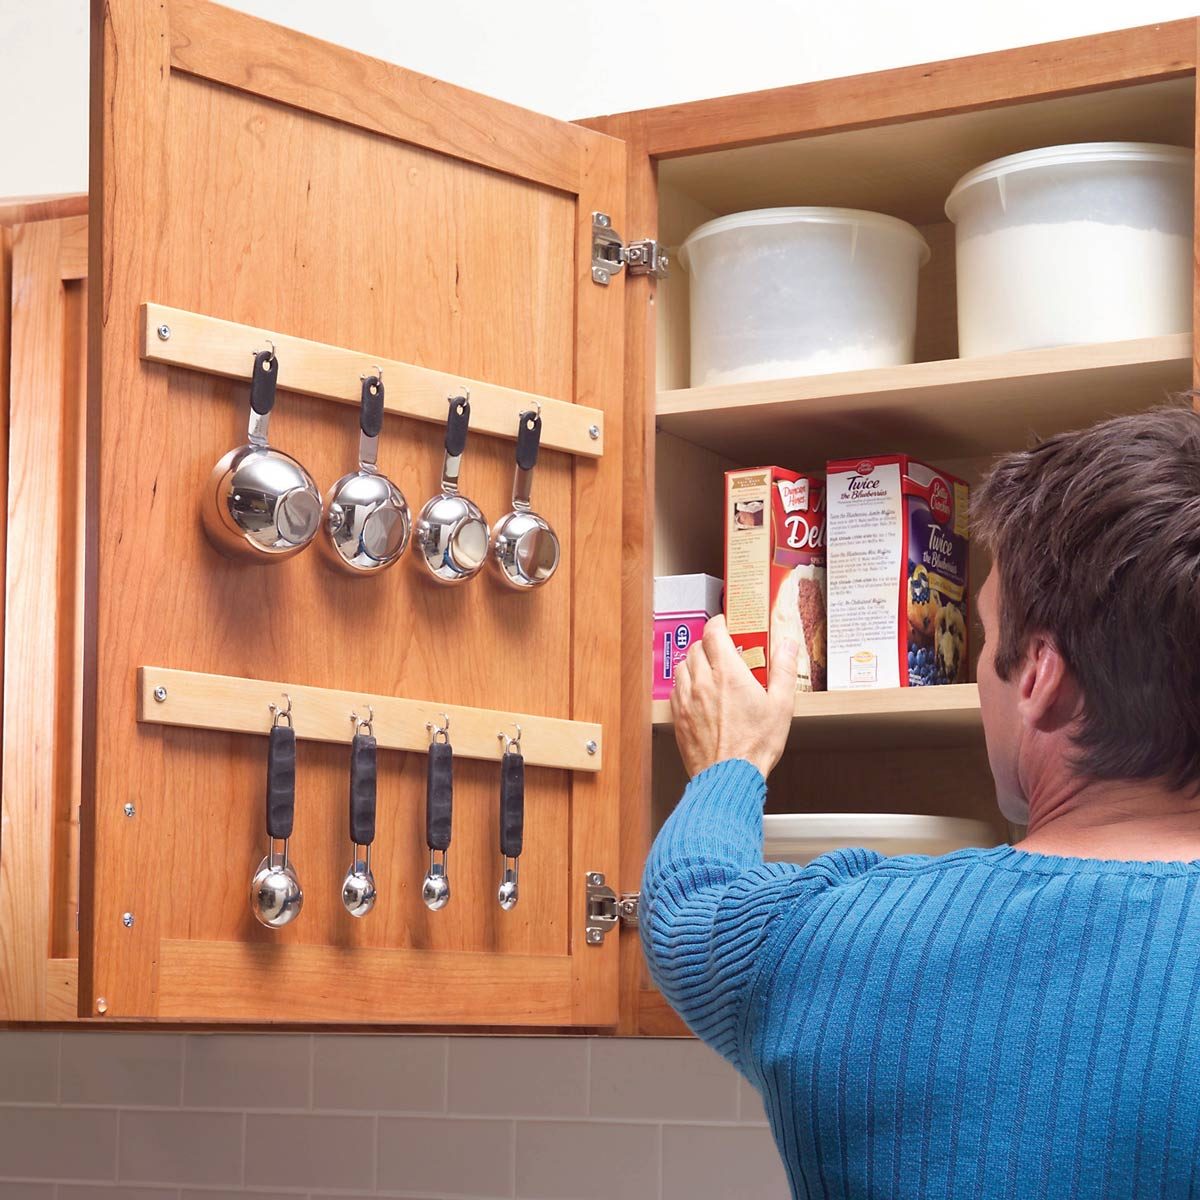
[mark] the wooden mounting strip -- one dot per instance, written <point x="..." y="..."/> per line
<point x="203" y="343"/>
<point x="236" y="705"/>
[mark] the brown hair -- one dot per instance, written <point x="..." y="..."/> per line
<point x="1096" y="540"/>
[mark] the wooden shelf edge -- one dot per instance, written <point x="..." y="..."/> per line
<point x="958" y="702"/>
<point x="950" y="373"/>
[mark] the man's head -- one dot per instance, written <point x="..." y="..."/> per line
<point x="1091" y="613"/>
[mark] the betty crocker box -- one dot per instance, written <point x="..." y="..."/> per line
<point x="898" y="542"/>
<point x="775" y="568"/>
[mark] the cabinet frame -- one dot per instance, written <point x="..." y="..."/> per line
<point x="1047" y="71"/>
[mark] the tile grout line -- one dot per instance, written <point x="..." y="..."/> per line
<point x="446" y="1075"/>
<point x="58" y="1073"/>
<point x="312" y="1072"/>
<point x="375" y="1156"/>
<point x="242" y="1171"/>
<point x="117" y="1148"/>
<point x="183" y="1041"/>
<point x="661" y="1168"/>
<point x="587" y="1078"/>
<point x="512" y="1170"/>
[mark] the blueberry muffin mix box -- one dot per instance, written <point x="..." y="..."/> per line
<point x="897" y="574"/>
<point x="775" y="568"/>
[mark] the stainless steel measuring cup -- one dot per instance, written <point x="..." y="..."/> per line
<point x="451" y="533"/>
<point x="524" y="549"/>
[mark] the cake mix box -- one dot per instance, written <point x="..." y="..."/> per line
<point x="897" y="577"/>
<point x="775" y="568"/>
<point x="682" y="606"/>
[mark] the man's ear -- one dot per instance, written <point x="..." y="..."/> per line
<point x="1048" y="697"/>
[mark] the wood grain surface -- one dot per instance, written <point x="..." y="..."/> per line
<point x="230" y="181"/>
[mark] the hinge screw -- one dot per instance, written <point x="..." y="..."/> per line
<point x="127" y="920"/>
<point x="130" y="811"/>
<point x="594" y="432"/>
<point x="101" y="1005"/>
<point x="595" y="878"/>
<point x="603" y="219"/>
<point x="591" y="747"/>
<point x="164" y="332"/>
<point x="160" y="693"/>
<point x="594" y="937"/>
<point x="599" y="275"/>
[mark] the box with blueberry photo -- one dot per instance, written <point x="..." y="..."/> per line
<point x="897" y="574"/>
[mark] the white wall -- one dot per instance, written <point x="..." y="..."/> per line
<point x="570" y="58"/>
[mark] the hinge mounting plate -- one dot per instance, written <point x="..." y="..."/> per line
<point x="610" y="255"/>
<point x="605" y="909"/>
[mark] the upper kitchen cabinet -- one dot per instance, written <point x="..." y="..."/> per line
<point x="894" y="143"/>
<point x="266" y="204"/>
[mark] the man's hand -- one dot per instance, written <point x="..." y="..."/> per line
<point x="721" y="711"/>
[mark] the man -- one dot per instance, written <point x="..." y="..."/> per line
<point x="1021" y="1021"/>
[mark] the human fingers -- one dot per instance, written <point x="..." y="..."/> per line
<point x="781" y="682"/>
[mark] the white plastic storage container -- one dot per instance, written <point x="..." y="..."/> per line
<point x="1073" y="244"/>
<point x="801" y="837"/>
<point x="780" y="292"/>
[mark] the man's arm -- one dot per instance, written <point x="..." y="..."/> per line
<point x="707" y="897"/>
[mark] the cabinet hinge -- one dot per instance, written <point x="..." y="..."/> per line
<point x="605" y="908"/>
<point x="610" y="254"/>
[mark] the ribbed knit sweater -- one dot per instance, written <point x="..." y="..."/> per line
<point x="987" y="1023"/>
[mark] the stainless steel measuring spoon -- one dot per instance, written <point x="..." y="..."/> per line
<point x="439" y="806"/>
<point x="275" y="894"/>
<point x="358" y="887"/>
<point x="367" y="523"/>
<point x="524" y="549"/>
<point x="512" y="816"/>
<point x="451" y="533"/>
<point x="261" y="505"/>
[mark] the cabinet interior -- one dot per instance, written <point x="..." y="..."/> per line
<point x="929" y="764"/>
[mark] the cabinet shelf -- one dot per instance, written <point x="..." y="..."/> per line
<point x="957" y="407"/>
<point x="936" y="716"/>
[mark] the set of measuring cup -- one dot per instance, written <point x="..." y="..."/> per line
<point x="275" y="893"/>
<point x="263" y="506"/>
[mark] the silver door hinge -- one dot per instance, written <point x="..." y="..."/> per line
<point x="610" y="254"/>
<point x="605" y="909"/>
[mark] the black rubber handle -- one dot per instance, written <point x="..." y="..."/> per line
<point x="281" y="781"/>
<point x="370" y="413"/>
<point x="456" y="425"/>
<point x="439" y="796"/>
<point x="512" y="804"/>
<point x="529" y="438"/>
<point x="262" y="382"/>
<point x="362" y="789"/>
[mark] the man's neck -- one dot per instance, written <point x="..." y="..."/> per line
<point x="1141" y="821"/>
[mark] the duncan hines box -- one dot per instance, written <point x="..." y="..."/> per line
<point x="897" y="579"/>
<point x="775" y="568"/>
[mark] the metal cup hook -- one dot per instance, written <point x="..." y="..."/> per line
<point x="512" y="745"/>
<point x="365" y="726"/>
<point x="443" y="729"/>
<point x="378" y="371"/>
<point x="282" y="714"/>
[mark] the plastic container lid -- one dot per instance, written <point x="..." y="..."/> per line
<point x="806" y="835"/>
<point x="804" y="216"/>
<point x="1056" y="156"/>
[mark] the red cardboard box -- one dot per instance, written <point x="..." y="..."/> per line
<point x="775" y="568"/>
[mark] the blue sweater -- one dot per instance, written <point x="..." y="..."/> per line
<point x="988" y="1023"/>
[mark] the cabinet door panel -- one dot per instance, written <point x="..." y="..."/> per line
<point x="256" y="175"/>
<point x="40" y="793"/>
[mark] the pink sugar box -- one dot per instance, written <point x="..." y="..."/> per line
<point x="682" y="604"/>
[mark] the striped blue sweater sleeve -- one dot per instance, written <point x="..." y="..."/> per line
<point x="708" y="898"/>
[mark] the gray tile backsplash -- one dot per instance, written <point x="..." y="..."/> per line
<point x="149" y="1116"/>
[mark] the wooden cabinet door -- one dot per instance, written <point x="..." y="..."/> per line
<point x="248" y="173"/>
<point x="39" y="798"/>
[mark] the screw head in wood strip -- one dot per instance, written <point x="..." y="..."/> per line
<point x="130" y="811"/>
<point x="594" y="432"/>
<point x="590" y="746"/>
<point x="101" y="1005"/>
<point x="164" y="333"/>
<point x="160" y="693"/>
<point x="127" y="920"/>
